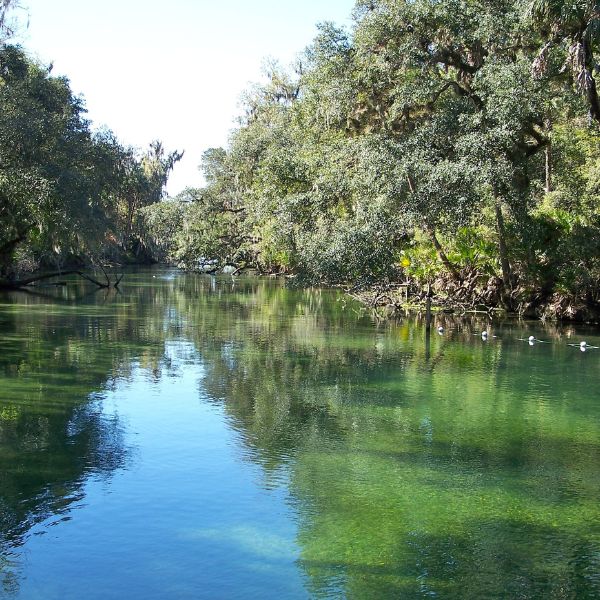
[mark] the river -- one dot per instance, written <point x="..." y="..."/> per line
<point x="192" y="437"/>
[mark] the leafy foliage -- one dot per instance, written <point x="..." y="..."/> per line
<point x="430" y="131"/>
<point x="459" y="135"/>
<point x="66" y="192"/>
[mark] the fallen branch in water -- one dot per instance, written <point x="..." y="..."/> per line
<point x="22" y="283"/>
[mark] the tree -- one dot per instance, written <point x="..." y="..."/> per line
<point x="145" y="177"/>
<point x="429" y="84"/>
<point x="51" y="178"/>
<point x="66" y="193"/>
<point x="423" y="124"/>
<point x="7" y="26"/>
<point x="163" y="223"/>
<point x="574" y="27"/>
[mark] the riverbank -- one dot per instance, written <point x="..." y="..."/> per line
<point x="473" y="294"/>
<point x="470" y="293"/>
<point x="469" y="297"/>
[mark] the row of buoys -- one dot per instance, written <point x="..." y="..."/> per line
<point x="532" y="340"/>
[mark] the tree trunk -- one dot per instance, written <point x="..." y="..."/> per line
<point x="438" y="247"/>
<point x="588" y="82"/>
<point x="501" y="230"/>
<point x="548" y="156"/>
<point x="443" y="256"/>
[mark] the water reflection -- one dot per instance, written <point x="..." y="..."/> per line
<point x="461" y="467"/>
<point x="56" y="358"/>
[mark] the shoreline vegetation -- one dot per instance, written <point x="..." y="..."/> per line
<point x="385" y="300"/>
<point x="443" y="147"/>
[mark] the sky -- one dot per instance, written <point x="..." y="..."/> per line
<point x="172" y="71"/>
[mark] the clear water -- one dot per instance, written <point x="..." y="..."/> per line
<point x="199" y="438"/>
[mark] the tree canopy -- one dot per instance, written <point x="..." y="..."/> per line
<point x="66" y="192"/>
<point x="445" y="141"/>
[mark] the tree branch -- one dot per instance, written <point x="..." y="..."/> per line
<point x="20" y="283"/>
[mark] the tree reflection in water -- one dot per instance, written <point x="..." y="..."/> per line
<point x="468" y="473"/>
<point x="462" y="470"/>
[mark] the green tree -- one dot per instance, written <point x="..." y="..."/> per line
<point x="424" y="120"/>
<point x="145" y="178"/>
<point x="574" y="28"/>
<point x="54" y="173"/>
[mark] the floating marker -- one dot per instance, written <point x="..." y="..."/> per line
<point x="484" y="335"/>
<point x="583" y="346"/>
<point x="532" y="340"/>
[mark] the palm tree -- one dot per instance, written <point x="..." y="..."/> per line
<point x="576" y="24"/>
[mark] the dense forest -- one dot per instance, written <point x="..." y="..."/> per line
<point x="445" y="144"/>
<point x="449" y="142"/>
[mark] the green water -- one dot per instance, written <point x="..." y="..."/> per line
<point x="199" y="438"/>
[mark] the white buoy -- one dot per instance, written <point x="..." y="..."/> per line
<point x="440" y="330"/>
<point x="531" y="338"/>
<point x="484" y="335"/>
<point x="582" y="344"/>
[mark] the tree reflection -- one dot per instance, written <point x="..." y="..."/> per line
<point x="468" y="473"/>
<point x="57" y="358"/>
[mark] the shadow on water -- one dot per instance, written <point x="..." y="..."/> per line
<point x="454" y="467"/>
<point x="492" y="565"/>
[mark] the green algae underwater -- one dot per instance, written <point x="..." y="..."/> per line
<point x="193" y="437"/>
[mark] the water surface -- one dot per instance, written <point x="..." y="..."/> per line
<point x="192" y="437"/>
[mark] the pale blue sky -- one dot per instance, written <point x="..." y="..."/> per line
<point x="171" y="70"/>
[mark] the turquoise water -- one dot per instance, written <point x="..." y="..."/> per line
<point x="192" y="437"/>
